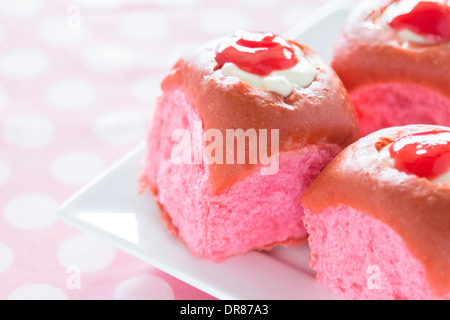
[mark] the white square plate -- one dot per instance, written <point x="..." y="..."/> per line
<point x="111" y="207"/>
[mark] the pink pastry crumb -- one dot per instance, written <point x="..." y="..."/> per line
<point x="392" y="104"/>
<point x="359" y="257"/>
<point x="256" y="212"/>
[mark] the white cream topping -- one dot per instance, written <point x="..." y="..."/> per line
<point x="282" y="81"/>
<point x="385" y="157"/>
<point x="403" y="7"/>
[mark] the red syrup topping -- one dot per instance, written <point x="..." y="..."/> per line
<point x="257" y="53"/>
<point x="429" y="19"/>
<point x="425" y="154"/>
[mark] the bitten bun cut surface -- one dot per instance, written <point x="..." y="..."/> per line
<point x="380" y="226"/>
<point x="298" y="114"/>
<point x="393" y="59"/>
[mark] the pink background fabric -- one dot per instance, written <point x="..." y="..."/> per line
<point x="78" y="82"/>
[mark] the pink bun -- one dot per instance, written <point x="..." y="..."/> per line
<point x="391" y="83"/>
<point x="220" y="210"/>
<point x="360" y="212"/>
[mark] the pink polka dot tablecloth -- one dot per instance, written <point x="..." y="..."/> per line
<point x="78" y="82"/>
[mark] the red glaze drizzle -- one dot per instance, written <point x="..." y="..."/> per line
<point x="257" y="53"/>
<point x="425" y="154"/>
<point x="428" y="19"/>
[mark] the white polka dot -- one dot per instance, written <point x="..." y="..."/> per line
<point x="177" y="2"/>
<point x="259" y="3"/>
<point x="5" y="172"/>
<point x="3" y="98"/>
<point x="37" y="291"/>
<point x="70" y="94"/>
<point x="76" y="168"/>
<point x="145" y="287"/>
<point x="100" y="3"/>
<point x="23" y="63"/>
<point x="21" y="8"/>
<point x="109" y="58"/>
<point x="147" y="89"/>
<point x="121" y="127"/>
<point x="31" y="212"/>
<point x="56" y="31"/>
<point x="2" y="34"/>
<point x="224" y="21"/>
<point x="144" y="26"/>
<point x="165" y="59"/>
<point x="86" y="252"/>
<point x="28" y="131"/>
<point x="6" y="257"/>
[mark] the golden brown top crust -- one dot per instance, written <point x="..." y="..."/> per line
<point x="319" y="113"/>
<point x="367" y="53"/>
<point x="416" y="209"/>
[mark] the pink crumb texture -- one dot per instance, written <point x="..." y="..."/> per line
<point x="391" y="104"/>
<point x="257" y="212"/>
<point x="361" y="258"/>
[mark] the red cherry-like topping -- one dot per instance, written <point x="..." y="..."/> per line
<point x="425" y="154"/>
<point x="428" y="19"/>
<point x="257" y="53"/>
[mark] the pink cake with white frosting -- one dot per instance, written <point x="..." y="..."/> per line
<point x="379" y="216"/>
<point x="392" y="57"/>
<point x="243" y="126"/>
